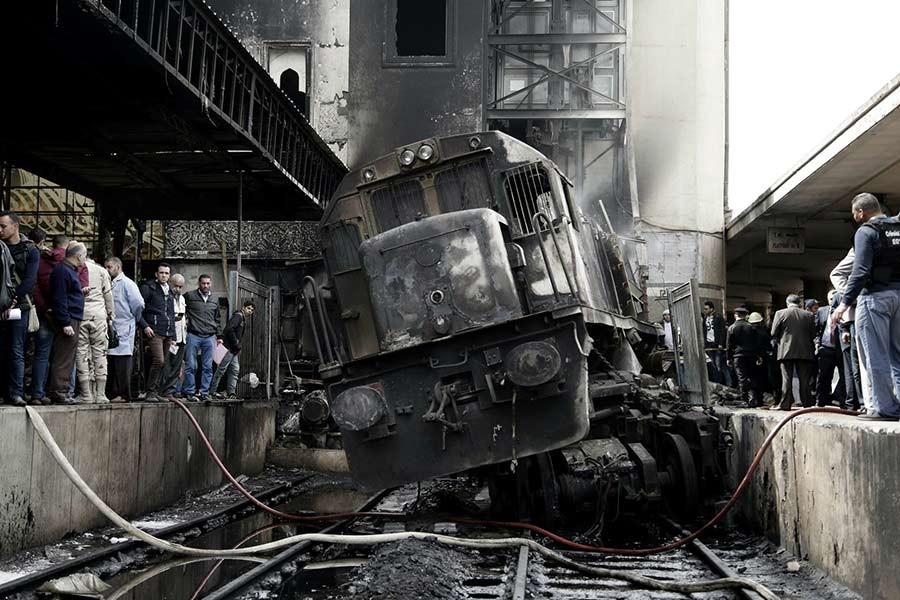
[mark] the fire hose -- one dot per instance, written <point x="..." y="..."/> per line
<point x="685" y="587"/>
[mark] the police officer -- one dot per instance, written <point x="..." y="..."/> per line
<point x="875" y="285"/>
<point x="744" y="353"/>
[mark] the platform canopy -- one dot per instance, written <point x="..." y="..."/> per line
<point x="154" y="109"/>
<point x="809" y="207"/>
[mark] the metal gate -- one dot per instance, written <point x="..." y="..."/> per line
<point x="690" y="357"/>
<point x="259" y="345"/>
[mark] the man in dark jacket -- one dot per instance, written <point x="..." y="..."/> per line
<point x="714" y="343"/>
<point x="67" y="310"/>
<point x="231" y="338"/>
<point x="43" y="337"/>
<point x="158" y="324"/>
<point x="874" y="284"/>
<point x="794" y="329"/>
<point x="202" y="313"/>
<point x="745" y="355"/>
<point x="828" y="355"/>
<point x="14" y="333"/>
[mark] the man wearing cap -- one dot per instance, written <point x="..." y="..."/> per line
<point x="666" y="325"/>
<point x="794" y="329"/>
<point x="745" y="355"/>
<point x="828" y="355"/>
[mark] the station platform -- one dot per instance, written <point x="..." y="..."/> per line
<point x="828" y="491"/>
<point x="137" y="456"/>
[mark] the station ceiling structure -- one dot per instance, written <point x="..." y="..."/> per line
<point x="862" y="154"/>
<point x="153" y="108"/>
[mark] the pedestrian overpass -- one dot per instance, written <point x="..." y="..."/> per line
<point x="155" y="110"/>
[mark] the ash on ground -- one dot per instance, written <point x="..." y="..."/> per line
<point x="413" y="569"/>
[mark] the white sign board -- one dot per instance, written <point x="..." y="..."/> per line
<point x="785" y="240"/>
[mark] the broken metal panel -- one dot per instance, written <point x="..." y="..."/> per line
<point x="684" y="301"/>
<point x="286" y="240"/>
<point x="260" y="350"/>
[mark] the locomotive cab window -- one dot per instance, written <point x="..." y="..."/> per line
<point x="529" y="191"/>
<point x="464" y="186"/>
<point x="397" y="204"/>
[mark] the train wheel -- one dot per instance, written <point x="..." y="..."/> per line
<point x="545" y="489"/>
<point x="681" y="484"/>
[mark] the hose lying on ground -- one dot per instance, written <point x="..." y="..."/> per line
<point x="540" y="530"/>
<point x="684" y="587"/>
<point x="272" y="511"/>
<point x="689" y="538"/>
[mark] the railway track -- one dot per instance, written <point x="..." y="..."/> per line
<point x="524" y="575"/>
<point x="91" y="561"/>
<point x="414" y="569"/>
<point x="363" y="572"/>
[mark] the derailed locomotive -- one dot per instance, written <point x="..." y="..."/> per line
<point x="479" y="321"/>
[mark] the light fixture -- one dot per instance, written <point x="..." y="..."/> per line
<point x="369" y="174"/>
<point x="426" y="151"/>
<point x="407" y="157"/>
<point x="474" y="142"/>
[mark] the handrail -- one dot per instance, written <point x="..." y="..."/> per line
<point x="535" y="220"/>
<point x="535" y="223"/>
<point x="315" y="287"/>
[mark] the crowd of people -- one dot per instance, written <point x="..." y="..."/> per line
<point x="855" y="334"/>
<point x="82" y="322"/>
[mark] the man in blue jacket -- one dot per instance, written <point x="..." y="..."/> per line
<point x="158" y="324"/>
<point x="203" y="326"/>
<point x="67" y="310"/>
<point x="14" y="334"/>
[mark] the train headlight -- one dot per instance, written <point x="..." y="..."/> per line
<point x="369" y="175"/>
<point x="532" y="363"/>
<point x="358" y="408"/>
<point x="426" y="151"/>
<point x="407" y="157"/>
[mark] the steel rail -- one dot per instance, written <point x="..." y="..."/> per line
<point x="231" y="513"/>
<point x="231" y="589"/>
<point x="710" y="558"/>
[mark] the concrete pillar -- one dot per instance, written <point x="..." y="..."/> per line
<point x="676" y="123"/>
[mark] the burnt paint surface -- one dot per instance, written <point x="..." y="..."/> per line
<point x="450" y="267"/>
<point x="391" y="105"/>
<point x="408" y="447"/>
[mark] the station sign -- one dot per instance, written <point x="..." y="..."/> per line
<point x="785" y="240"/>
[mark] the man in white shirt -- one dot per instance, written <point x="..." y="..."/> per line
<point x="171" y="380"/>
<point x="668" y="336"/>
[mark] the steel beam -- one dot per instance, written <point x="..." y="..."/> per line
<point x="556" y="73"/>
<point x="531" y="39"/>
<point x="548" y="113"/>
<point x="243" y="83"/>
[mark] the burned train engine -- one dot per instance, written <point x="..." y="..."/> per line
<point x="473" y="319"/>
